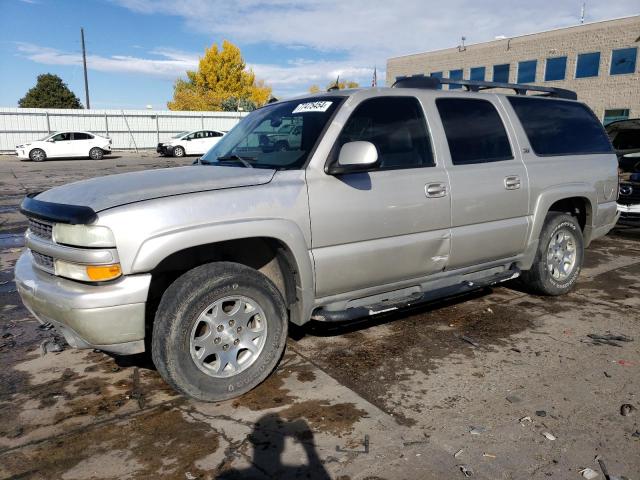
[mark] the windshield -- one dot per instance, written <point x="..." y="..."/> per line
<point x="181" y="134"/>
<point x="279" y="136"/>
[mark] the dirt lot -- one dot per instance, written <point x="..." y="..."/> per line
<point x="399" y="396"/>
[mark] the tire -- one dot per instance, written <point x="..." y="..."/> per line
<point x="37" y="155"/>
<point x="178" y="152"/>
<point x="553" y="272"/>
<point x="96" y="153"/>
<point x="192" y="313"/>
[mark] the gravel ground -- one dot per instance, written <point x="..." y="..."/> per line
<point x="398" y="396"/>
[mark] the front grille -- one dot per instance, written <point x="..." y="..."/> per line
<point x="40" y="229"/>
<point x="629" y="194"/>
<point x="43" y="261"/>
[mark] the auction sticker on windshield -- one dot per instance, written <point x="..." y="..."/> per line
<point x="312" y="107"/>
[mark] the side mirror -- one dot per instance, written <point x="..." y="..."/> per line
<point x="355" y="157"/>
<point x="50" y="140"/>
<point x="188" y="139"/>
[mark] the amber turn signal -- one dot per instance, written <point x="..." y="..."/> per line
<point x="101" y="273"/>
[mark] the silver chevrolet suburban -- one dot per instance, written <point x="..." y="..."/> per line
<point x="388" y="197"/>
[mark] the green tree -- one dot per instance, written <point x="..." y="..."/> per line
<point x="50" y="92"/>
<point x="222" y="75"/>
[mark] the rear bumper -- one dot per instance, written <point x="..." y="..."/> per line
<point x="107" y="317"/>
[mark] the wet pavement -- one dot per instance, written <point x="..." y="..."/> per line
<point x="392" y="397"/>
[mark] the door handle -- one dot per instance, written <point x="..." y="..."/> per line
<point x="512" y="182"/>
<point x="435" y="190"/>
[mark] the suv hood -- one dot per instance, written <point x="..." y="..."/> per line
<point x="113" y="190"/>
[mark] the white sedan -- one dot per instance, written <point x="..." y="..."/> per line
<point x="66" y="144"/>
<point x="195" y="142"/>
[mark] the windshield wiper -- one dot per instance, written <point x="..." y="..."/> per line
<point x="236" y="158"/>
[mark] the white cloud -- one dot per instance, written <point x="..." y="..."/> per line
<point x="362" y="33"/>
<point x="171" y="64"/>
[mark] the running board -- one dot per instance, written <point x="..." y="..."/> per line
<point x="323" y="315"/>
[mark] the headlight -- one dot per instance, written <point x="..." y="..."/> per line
<point x="83" y="235"/>
<point x="87" y="273"/>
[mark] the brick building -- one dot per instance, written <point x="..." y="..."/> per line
<point x="599" y="61"/>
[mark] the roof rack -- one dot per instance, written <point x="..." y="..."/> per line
<point x="432" y="83"/>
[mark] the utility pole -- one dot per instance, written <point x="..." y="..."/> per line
<point x="84" y="63"/>
<point x="584" y="6"/>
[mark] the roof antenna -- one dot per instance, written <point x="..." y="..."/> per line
<point x="336" y="86"/>
<point x="584" y="6"/>
<point x="462" y="47"/>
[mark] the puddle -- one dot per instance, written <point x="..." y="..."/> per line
<point x="11" y="240"/>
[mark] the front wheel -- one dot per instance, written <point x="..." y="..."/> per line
<point x="220" y="330"/>
<point x="96" y="153"/>
<point x="559" y="257"/>
<point x="178" y="152"/>
<point x="37" y="155"/>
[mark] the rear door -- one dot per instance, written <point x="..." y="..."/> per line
<point x="81" y="144"/>
<point x="489" y="184"/>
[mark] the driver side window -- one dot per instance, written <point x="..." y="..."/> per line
<point x="397" y="128"/>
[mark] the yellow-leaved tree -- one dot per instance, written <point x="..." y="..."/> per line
<point x="342" y="84"/>
<point x="222" y="79"/>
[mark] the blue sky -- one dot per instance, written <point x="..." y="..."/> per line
<point x="137" y="48"/>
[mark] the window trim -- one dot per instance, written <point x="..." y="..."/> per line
<point x="333" y="152"/>
<point x="575" y="73"/>
<point x="611" y="61"/>
<point x="544" y="155"/>
<point x="504" y="126"/>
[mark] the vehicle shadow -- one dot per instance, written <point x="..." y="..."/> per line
<point x="268" y="441"/>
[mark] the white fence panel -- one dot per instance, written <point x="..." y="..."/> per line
<point x="127" y="128"/>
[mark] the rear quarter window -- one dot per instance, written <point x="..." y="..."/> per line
<point x="560" y="127"/>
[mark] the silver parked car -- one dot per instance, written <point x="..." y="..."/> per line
<point x="387" y="197"/>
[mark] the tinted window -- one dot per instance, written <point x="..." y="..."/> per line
<point x="216" y="134"/>
<point x="560" y="127"/>
<point x="455" y="75"/>
<point x="556" y="68"/>
<point x="527" y="71"/>
<point x="623" y="61"/>
<point x="437" y="75"/>
<point x="396" y="126"/>
<point x="474" y="131"/>
<point x="61" y="137"/>
<point x="501" y="73"/>
<point x="81" y="136"/>
<point x="588" y="65"/>
<point x="477" y="73"/>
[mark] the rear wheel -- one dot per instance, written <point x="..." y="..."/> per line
<point x="37" y="155"/>
<point x="559" y="256"/>
<point x="178" y="152"/>
<point x="96" y="153"/>
<point x="220" y="330"/>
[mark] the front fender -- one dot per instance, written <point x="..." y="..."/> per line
<point x="155" y="249"/>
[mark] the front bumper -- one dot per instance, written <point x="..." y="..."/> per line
<point x="109" y="317"/>
<point x="629" y="214"/>
<point x="163" y="149"/>
<point x="22" y="153"/>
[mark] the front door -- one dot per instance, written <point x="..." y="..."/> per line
<point x="489" y="185"/>
<point x="375" y="228"/>
<point x="61" y="146"/>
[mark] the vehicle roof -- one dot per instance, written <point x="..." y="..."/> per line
<point x="399" y="91"/>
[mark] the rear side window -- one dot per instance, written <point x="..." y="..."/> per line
<point x="475" y="133"/>
<point x="82" y="136"/>
<point x="396" y="126"/>
<point x="560" y="127"/>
